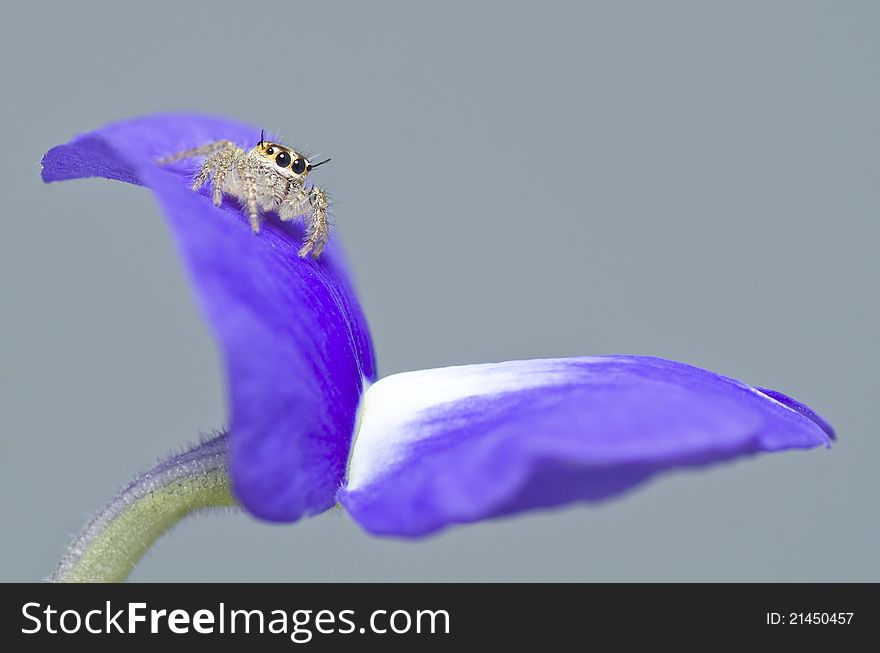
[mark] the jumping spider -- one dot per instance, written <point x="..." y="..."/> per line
<point x="271" y="177"/>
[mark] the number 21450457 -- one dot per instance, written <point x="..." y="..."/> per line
<point x="810" y="618"/>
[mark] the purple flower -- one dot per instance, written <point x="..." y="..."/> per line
<point x="413" y="452"/>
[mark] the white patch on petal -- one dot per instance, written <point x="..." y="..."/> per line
<point x="391" y="409"/>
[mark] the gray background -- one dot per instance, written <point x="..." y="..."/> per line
<point x="691" y="180"/>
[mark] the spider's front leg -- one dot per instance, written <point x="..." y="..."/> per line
<point x="318" y="230"/>
<point x="312" y="202"/>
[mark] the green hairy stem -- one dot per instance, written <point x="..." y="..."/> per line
<point x="119" y="534"/>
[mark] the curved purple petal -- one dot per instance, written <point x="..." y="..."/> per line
<point x="460" y="444"/>
<point x="295" y="342"/>
<point x="803" y="409"/>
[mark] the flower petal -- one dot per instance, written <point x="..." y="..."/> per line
<point x="296" y="345"/>
<point x="459" y="444"/>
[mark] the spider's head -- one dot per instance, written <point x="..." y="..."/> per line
<point x="287" y="161"/>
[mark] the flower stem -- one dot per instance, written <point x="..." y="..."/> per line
<point x="116" y="538"/>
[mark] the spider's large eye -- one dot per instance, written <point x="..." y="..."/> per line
<point x="299" y="165"/>
<point x="283" y="159"/>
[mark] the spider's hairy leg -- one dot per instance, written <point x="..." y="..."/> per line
<point x="295" y="204"/>
<point x="248" y="176"/>
<point x="222" y="163"/>
<point x="313" y="203"/>
<point x="220" y="158"/>
<point x="217" y="184"/>
<point x="318" y="230"/>
<point x="202" y="150"/>
<point x="218" y="163"/>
